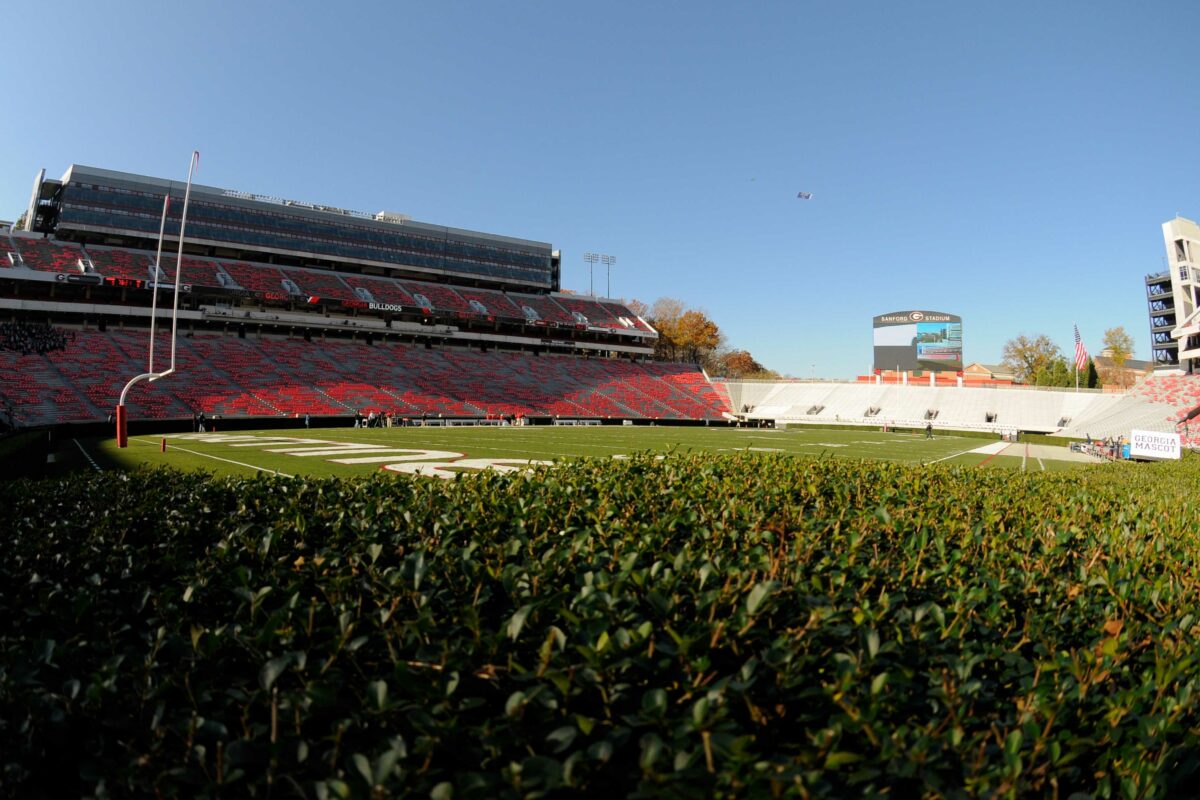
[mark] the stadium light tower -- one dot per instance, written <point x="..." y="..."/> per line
<point x="608" y="262"/>
<point x="591" y="259"/>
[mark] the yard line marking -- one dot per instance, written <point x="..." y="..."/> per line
<point x="88" y="456"/>
<point x="1040" y="464"/>
<point x="993" y="455"/>
<point x="962" y="453"/>
<point x="218" y="458"/>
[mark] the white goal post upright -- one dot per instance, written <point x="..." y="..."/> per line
<point x="150" y="374"/>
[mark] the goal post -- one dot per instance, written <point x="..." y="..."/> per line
<point x="150" y="374"/>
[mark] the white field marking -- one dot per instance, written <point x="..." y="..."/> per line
<point x="1040" y="464"/>
<point x="226" y="460"/>
<point x="218" y="438"/>
<point x="332" y="449"/>
<point x="508" y="449"/>
<point x="443" y="469"/>
<point x="291" y="442"/>
<point x="397" y="456"/>
<point x="766" y="449"/>
<point x="989" y="449"/>
<point x="88" y="456"/>
<point x="1024" y="458"/>
<point x="813" y="444"/>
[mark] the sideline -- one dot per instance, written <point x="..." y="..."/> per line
<point x="88" y="456"/>
<point x="218" y="458"/>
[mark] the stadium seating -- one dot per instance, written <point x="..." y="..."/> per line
<point x="547" y="310"/>
<point x="196" y="271"/>
<point x="441" y="297"/>
<point x="1063" y="412"/>
<point x="589" y="309"/>
<point x="619" y="310"/>
<point x="47" y="256"/>
<point x="497" y="303"/>
<point x="36" y="391"/>
<point x="383" y="290"/>
<point x="326" y="285"/>
<point x="261" y="280"/>
<point x="118" y="263"/>
<point x="230" y="376"/>
<point x="6" y="247"/>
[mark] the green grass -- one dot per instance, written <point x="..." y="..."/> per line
<point x="259" y="451"/>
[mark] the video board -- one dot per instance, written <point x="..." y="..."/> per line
<point x="918" y="340"/>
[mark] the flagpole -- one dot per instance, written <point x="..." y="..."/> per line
<point x="1075" y="325"/>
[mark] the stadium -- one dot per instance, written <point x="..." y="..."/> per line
<point x="634" y="580"/>
<point x="289" y="310"/>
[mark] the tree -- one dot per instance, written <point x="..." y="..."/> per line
<point x="664" y="317"/>
<point x="1057" y="372"/>
<point x="697" y="336"/>
<point x="1119" y="346"/>
<point x="638" y="307"/>
<point x="684" y="334"/>
<point x="1093" y="377"/>
<point x="736" y="364"/>
<point x="19" y="225"/>
<point x="1027" y="357"/>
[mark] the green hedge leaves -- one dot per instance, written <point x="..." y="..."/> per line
<point x="744" y="625"/>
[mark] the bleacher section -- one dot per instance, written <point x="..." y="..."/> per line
<point x="442" y="298"/>
<point x="117" y="263"/>
<point x="6" y="247"/>
<point x="600" y="314"/>
<point x="230" y="376"/>
<point x="617" y="311"/>
<point x="262" y="280"/>
<point x="325" y="285"/>
<point x="297" y="285"/>
<point x="497" y="304"/>
<point x="196" y="271"/>
<point x="985" y="409"/>
<point x="47" y="256"/>
<point x="383" y="290"/>
<point x="547" y="310"/>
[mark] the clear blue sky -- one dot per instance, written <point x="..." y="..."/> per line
<point x="1010" y="162"/>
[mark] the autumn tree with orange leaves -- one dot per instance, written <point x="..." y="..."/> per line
<point x="689" y="334"/>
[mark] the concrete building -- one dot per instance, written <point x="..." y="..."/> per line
<point x="1173" y="300"/>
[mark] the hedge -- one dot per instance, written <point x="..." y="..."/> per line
<point x="730" y="626"/>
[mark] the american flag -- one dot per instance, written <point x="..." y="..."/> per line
<point x="1081" y="355"/>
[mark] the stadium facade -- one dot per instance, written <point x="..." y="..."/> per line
<point x="92" y="205"/>
<point x="1173" y="300"/>
<point x="289" y="308"/>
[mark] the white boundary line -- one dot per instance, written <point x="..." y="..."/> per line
<point x="226" y="460"/>
<point x="952" y="455"/>
<point x="88" y="456"/>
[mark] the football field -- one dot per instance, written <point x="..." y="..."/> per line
<point x="443" y="452"/>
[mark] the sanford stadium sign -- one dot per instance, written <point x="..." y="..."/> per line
<point x="909" y="317"/>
